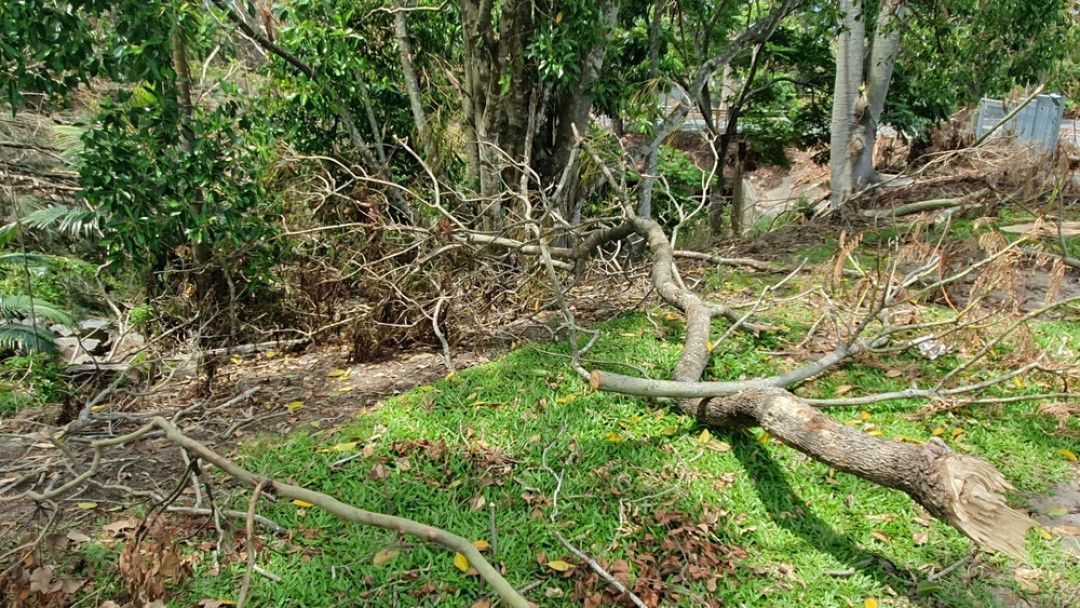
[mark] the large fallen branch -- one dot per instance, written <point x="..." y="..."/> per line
<point x="344" y="511"/>
<point x="964" y="491"/>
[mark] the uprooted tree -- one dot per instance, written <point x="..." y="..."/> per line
<point x="530" y="163"/>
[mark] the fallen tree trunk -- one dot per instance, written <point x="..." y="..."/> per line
<point x="964" y="491"/>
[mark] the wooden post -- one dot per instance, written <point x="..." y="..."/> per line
<point x="737" y="194"/>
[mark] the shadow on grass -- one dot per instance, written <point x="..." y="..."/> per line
<point x="789" y="511"/>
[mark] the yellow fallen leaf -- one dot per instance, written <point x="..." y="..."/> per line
<point x="345" y="447"/>
<point x="86" y="506"/>
<point x="870" y="603"/>
<point x="957" y="432"/>
<point x="938" y="432"/>
<point x="345" y="389"/>
<point x="558" y="17"/>
<point x="338" y="373"/>
<point x="708" y="345"/>
<point x="843" y="389"/>
<point x="705" y="436"/>
<point x="303" y="504"/>
<point x="559" y="565"/>
<point x="461" y="562"/>
<point x="385" y="557"/>
<point x="764" y="438"/>
<point x="481" y="544"/>
<point x="613" y="437"/>
<point x="295" y="405"/>
<point x="669" y="431"/>
<point x="270" y="354"/>
<point x="566" y="398"/>
<point x="1045" y="534"/>
<point x="97" y="409"/>
<point x="1067" y="454"/>
<point x="864" y="415"/>
<point x="893" y="373"/>
<point x="235" y="360"/>
<point x="875" y="433"/>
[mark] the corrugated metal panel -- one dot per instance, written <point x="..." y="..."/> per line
<point x="1038" y="123"/>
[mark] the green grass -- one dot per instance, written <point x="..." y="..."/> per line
<point x="623" y="460"/>
<point x="792" y="531"/>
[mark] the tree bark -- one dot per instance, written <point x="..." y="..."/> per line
<point x="850" y="43"/>
<point x="412" y="83"/>
<point x="652" y="159"/>
<point x="963" y="491"/>
<point x="883" y="52"/>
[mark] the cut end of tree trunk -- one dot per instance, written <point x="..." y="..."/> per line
<point x="596" y="380"/>
<point x="976" y="504"/>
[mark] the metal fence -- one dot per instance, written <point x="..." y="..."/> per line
<point x="1038" y="123"/>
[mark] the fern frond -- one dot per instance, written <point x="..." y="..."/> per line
<point x="16" y="336"/>
<point x="22" y="305"/>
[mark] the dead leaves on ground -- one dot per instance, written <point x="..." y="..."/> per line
<point x="677" y="551"/>
<point x="149" y="566"/>
<point x="32" y="584"/>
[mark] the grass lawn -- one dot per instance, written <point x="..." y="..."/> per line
<point x="687" y="517"/>
<point x="468" y="454"/>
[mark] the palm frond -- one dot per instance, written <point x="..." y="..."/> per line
<point x="8" y="232"/>
<point x="16" y="336"/>
<point x="72" y="220"/>
<point x="35" y="261"/>
<point x="23" y="305"/>
<point x="69" y="139"/>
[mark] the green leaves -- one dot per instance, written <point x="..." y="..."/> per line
<point x="13" y="306"/>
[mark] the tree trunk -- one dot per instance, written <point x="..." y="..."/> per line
<point x="963" y="491"/>
<point x="203" y="251"/>
<point x="496" y="116"/>
<point x="849" y="71"/>
<point x="883" y="54"/>
<point x="412" y="83"/>
<point x="731" y="128"/>
<point x="652" y="159"/>
<point x="574" y="110"/>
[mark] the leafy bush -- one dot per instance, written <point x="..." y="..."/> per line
<point x="30" y="380"/>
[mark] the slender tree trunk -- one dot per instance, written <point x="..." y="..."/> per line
<point x="731" y="128"/>
<point x="644" y="207"/>
<point x="849" y="71"/>
<point x="412" y="83"/>
<point x="883" y="52"/>
<point x="574" y="111"/>
<point x="203" y="251"/>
